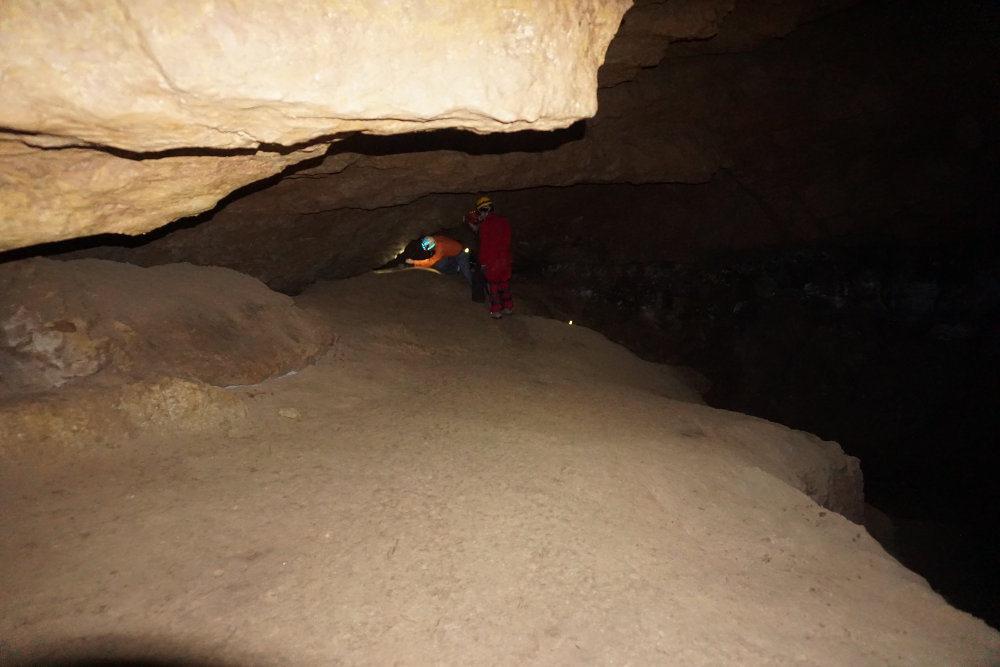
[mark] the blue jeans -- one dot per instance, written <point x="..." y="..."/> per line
<point x="455" y="264"/>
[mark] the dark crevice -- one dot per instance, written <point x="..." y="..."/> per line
<point x="471" y="143"/>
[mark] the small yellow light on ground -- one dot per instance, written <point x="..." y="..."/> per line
<point x="571" y="322"/>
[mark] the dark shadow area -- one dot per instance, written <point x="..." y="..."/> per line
<point x="114" y="652"/>
<point x="524" y="141"/>
<point x="124" y="662"/>
<point x="180" y="151"/>
<point x="464" y="141"/>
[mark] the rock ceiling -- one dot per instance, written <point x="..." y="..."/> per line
<point x="706" y="132"/>
<point x="122" y="118"/>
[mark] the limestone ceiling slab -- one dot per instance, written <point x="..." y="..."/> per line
<point x="50" y="195"/>
<point x="205" y="76"/>
<point x="151" y="76"/>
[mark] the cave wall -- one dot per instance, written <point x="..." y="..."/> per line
<point x="865" y="122"/>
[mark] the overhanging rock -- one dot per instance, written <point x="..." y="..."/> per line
<point x="149" y="84"/>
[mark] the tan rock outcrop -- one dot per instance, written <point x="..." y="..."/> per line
<point x="64" y="322"/>
<point x="203" y="77"/>
<point x="93" y="351"/>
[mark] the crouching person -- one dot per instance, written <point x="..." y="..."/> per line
<point x="449" y="256"/>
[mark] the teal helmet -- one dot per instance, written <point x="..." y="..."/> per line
<point x="428" y="243"/>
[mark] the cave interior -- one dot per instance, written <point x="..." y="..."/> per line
<point x="807" y="219"/>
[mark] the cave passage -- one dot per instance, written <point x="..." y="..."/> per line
<point x="798" y="201"/>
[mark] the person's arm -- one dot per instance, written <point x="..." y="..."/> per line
<point x="430" y="261"/>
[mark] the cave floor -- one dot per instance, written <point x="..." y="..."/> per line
<point x="440" y="488"/>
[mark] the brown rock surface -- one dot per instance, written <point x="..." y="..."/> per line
<point x="651" y="26"/>
<point x="92" y="352"/>
<point x="441" y="488"/>
<point x="62" y="321"/>
<point x="44" y="427"/>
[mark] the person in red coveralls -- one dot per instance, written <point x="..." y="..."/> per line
<point x="495" y="257"/>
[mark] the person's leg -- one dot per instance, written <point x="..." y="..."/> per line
<point x="496" y="300"/>
<point x="464" y="268"/>
<point x="479" y="290"/>
<point x="447" y="265"/>
<point x="506" y="300"/>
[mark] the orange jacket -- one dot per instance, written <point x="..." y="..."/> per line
<point x="443" y="247"/>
